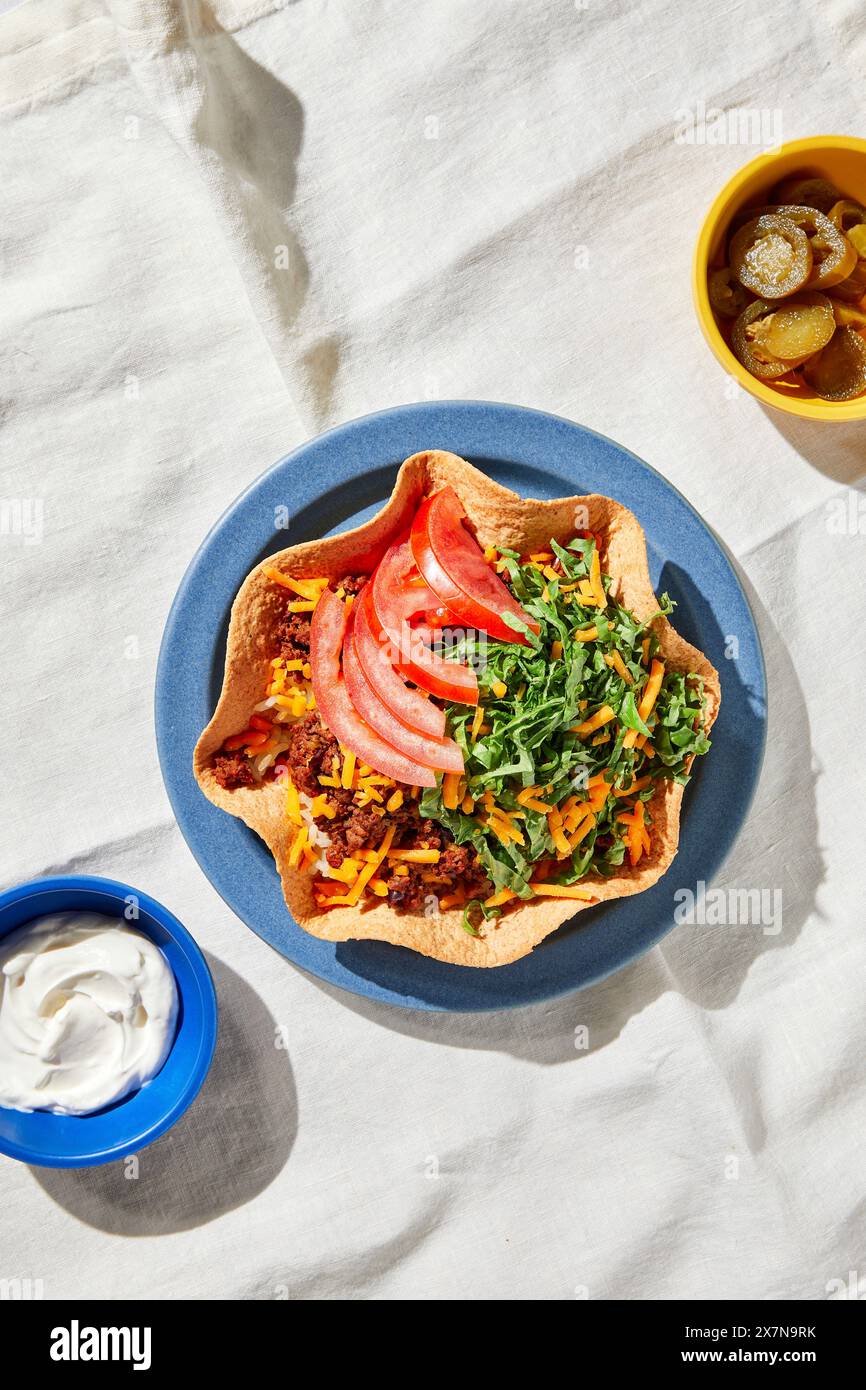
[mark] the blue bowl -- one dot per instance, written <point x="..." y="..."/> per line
<point x="81" y="1141"/>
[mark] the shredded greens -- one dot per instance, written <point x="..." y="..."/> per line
<point x="527" y="737"/>
<point x="474" y="913"/>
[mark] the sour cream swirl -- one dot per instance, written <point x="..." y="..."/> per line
<point x="87" y="1013"/>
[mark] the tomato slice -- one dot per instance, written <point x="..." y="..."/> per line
<point x="447" y="679"/>
<point x="441" y="617"/>
<point x="452" y="563"/>
<point x="412" y="708"/>
<point x="413" y="598"/>
<point x="440" y="753"/>
<point x="327" y="630"/>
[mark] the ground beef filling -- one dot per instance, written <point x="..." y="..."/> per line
<point x="293" y="637"/>
<point x="312" y="752"/>
<point x="231" y="770"/>
<point x="293" y="630"/>
<point x="355" y="827"/>
<point x="292" y="642"/>
<point x="458" y="867"/>
<point x="350" y="583"/>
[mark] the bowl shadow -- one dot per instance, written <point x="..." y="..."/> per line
<point x="229" y="1146"/>
<point x="836" y="450"/>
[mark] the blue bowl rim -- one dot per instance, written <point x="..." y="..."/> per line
<point x="113" y="888"/>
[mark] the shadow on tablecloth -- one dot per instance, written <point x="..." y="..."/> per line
<point x="836" y="450"/>
<point x="705" y="965"/>
<point x="226" y="1149"/>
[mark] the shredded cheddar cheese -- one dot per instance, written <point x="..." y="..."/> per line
<point x="297" y="847"/>
<point x="354" y="894"/>
<point x="651" y="690"/>
<point x="348" y="775"/>
<point x="451" y="790"/>
<point x="589" y="726"/>
<point x="293" y="803"/>
<point x="616" y="661"/>
<point x="559" y="890"/>
<point x="498" y="899"/>
<point x="635" y="787"/>
<point x="595" y="579"/>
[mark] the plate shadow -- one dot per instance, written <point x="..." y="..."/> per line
<point x="705" y="964"/>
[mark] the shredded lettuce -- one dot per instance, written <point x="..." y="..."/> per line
<point x="527" y="736"/>
<point x="474" y="913"/>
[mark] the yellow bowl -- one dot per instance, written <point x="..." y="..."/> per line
<point x="842" y="160"/>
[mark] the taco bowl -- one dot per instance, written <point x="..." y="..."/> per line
<point x="502" y="866"/>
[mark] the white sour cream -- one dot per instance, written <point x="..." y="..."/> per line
<point x="87" y="1013"/>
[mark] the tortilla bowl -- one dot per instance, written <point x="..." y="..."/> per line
<point x="501" y="518"/>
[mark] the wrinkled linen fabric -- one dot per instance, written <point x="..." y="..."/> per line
<point x="226" y="226"/>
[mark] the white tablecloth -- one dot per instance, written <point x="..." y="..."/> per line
<point x="226" y="226"/>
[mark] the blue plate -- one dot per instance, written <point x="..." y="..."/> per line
<point x="343" y="478"/>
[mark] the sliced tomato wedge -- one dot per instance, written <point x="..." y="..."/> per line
<point x="447" y="679"/>
<point x="412" y="708"/>
<point x="327" y="631"/>
<point x="414" y="599"/>
<point x="451" y="561"/>
<point x="441" y="617"/>
<point x="442" y="754"/>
